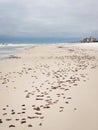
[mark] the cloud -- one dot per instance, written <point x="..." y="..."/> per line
<point x="48" y="18"/>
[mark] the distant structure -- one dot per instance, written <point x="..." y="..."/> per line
<point x="89" y="39"/>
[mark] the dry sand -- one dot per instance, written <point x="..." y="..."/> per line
<point x="50" y="87"/>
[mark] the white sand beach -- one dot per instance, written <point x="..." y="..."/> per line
<point x="50" y="87"/>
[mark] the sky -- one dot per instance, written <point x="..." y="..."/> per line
<point x="48" y="18"/>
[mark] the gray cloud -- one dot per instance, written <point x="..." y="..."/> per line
<point x="47" y="18"/>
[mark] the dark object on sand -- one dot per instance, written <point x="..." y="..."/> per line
<point x="37" y="113"/>
<point x="66" y="102"/>
<point x="23" y="105"/>
<point x="11" y="125"/>
<point x="30" y="117"/>
<point x="1" y="121"/>
<point x="37" y="108"/>
<point x="40" y="124"/>
<point x="8" y="119"/>
<point x="17" y="119"/>
<point x="75" y="109"/>
<point x="14" y="57"/>
<point x="29" y="125"/>
<point x="27" y="96"/>
<point x="24" y="121"/>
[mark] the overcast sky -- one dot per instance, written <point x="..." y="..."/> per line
<point x="48" y="18"/>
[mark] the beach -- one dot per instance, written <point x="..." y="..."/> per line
<point x="50" y="87"/>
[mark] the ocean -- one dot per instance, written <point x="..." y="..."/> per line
<point x="11" y="48"/>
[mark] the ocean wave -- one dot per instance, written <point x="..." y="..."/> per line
<point x="13" y="45"/>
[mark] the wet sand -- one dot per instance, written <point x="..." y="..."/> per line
<point x="50" y="87"/>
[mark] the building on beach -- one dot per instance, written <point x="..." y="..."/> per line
<point x="89" y="39"/>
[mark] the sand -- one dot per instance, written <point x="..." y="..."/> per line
<point x="50" y="87"/>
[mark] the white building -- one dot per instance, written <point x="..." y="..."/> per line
<point x="89" y="39"/>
